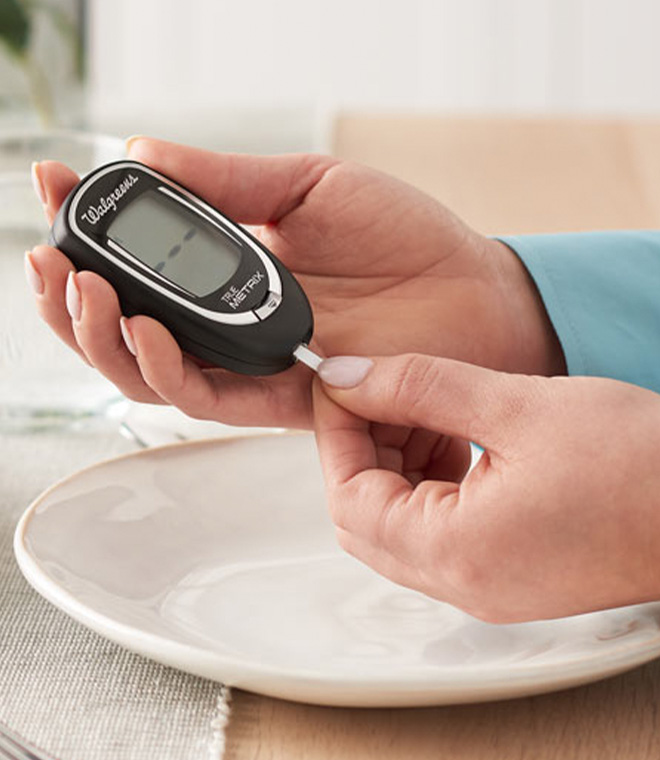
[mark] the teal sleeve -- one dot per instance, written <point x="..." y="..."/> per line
<point x="602" y="294"/>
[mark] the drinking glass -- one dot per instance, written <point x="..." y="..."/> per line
<point x="43" y="383"/>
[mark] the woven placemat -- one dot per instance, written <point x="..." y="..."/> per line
<point x="65" y="688"/>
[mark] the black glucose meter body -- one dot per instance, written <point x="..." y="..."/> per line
<point x="168" y="254"/>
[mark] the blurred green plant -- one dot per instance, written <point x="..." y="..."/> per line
<point x="17" y="23"/>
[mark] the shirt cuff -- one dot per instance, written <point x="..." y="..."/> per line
<point x="602" y="293"/>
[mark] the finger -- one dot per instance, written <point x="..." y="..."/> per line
<point x="429" y="455"/>
<point x="418" y="454"/>
<point x="447" y="396"/>
<point x="383" y="563"/>
<point x="390" y="441"/>
<point x="47" y="270"/>
<point x="55" y="180"/>
<point x="95" y="315"/>
<point x="379" y="507"/>
<point x="251" y="189"/>
<point x="345" y="443"/>
<point x="213" y="393"/>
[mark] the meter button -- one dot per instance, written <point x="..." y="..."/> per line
<point x="273" y="300"/>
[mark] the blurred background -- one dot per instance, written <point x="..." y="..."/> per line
<point x="258" y="75"/>
<point x="262" y="76"/>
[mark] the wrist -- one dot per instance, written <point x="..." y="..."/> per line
<point x="528" y="341"/>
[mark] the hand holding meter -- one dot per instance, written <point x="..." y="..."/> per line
<point x="171" y="256"/>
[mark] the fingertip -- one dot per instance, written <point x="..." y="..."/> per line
<point x="147" y="328"/>
<point x="318" y="393"/>
<point x="55" y="174"/>
<point x="143" y="149"/>
<point x="33" y="275"/>
<point x="166" y="370"/>
<point x="93" y="282"/>
<point x="42" y="250"/>
<point x="73" y="298"/>
<point x="127" y="335"/>
<point x="328" y="414"/>
<point x="154" y="346"/>
<point x="96" y="291"/>
<point x="56" y="181"/>
<point x="344" y="372"/>
<point x="38" y="183"/>
<point x="131" y="141"/>
<point x="52" y="265"/>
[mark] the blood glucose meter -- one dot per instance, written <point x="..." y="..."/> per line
<point x="224" y="296"/>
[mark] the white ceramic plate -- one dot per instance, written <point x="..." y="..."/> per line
<point x="218" y="558"/>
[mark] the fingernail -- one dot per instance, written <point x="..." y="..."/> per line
<point x="127" y="335"/>
<point x="38" y="183"/>
<point x="130" y="141"/>
<point x="73" y="299"/>
<point x="32" y="273"/>
<point x="344" y="371"/>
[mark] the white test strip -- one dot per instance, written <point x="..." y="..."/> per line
<point x="308" y="357"/>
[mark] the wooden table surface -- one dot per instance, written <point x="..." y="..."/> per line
<point x="615" y="719"/>
<point x="518" y="175"/>
<point x="501" y="175"/>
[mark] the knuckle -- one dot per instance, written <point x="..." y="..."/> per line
<point x="476" y="590"/>
<point x="137" y="394"/>
<point x="346" y="541"/>
<point x="469" y="586"/>
<point x="336" y="508"/>
<point x="341" y="499"/>
<point x="521" y="397"/>
<point x="192" y="408"/>
<point x="414" y="386"/>
<point x="465" y="576"/>
<point x="514" y="405"/>
<point x="132" y="394"/>
<point x="389" y="533"/>
<point x="496" y="613"/>
<point x="509" y="406"/>
<point x="201" y="414"/>
<point x="191" y="411"/>
<point x="488" y="614"/>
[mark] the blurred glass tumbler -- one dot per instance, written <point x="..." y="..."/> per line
<point x="43" y="384"/>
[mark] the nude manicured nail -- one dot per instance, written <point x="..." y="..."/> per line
<point x="32" y="273"/>
<point x="130" y="141"/>
<point x="38" y="183"/>
<point x="127" y="335"/>
<point x="73" y="299"/>
<point x="344" y="371"/>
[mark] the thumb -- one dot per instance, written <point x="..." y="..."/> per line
<point x="447" y="396"/>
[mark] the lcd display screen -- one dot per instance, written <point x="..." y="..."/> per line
<point x="176" y="242"/>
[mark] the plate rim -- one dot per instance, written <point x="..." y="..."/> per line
<point x="202" y="661"/>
